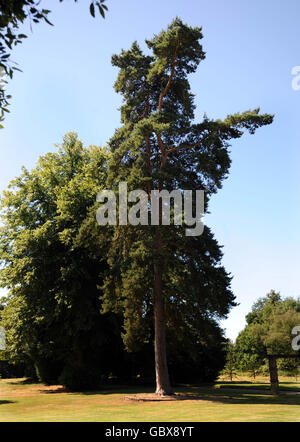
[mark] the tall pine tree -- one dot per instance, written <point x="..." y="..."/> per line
<point x="158" y="271"/>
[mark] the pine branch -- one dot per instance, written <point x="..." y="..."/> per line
<point x="184" y="147"/>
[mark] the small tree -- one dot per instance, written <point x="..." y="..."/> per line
<point x="230" y="368"/>
<point x="290" y="366"/>
<point x="248" y="361"/>
<point x="251" y="363"/>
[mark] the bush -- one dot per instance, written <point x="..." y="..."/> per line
<point x="80" y="378"/>
<point x="48" y="371"/>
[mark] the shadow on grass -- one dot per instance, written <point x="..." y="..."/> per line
<point x="191" y="393"/>
<point x="225" y="397"/>
<point x="27" y="381"/>
<point x="242" y="382"/>
<point x="254" y="399"/>
<point x="260" y="387"/>
<point x="7" y="402"/>
<point x="223" y="394"/>
<point x="106" y="390"/>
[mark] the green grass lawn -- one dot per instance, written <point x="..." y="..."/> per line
<point x="229" y="402"/>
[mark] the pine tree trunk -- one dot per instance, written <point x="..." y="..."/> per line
<point x="163" y="386"/>
<point x="273" y="375"/>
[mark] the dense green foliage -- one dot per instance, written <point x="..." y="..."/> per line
<point x="231" y="364"/>
<point x="54" y="258"/>
<point x="13" y="13"/>
<point x="290" y="367"/>
<point x="269" y="327"/>
<point x="268" y="335"/>
<point x="52" y="318"/>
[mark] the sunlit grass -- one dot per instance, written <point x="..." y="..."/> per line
<point x="36" y="402"/>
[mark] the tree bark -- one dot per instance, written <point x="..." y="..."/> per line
<point x="163" y="386"/>
<point x="273" y="375"/>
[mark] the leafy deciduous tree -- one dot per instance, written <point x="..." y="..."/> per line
<point x="268" y="333"/>
<point x="53" y="271"/>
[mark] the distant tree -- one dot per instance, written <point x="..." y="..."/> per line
<point x="289" y="366"/>
<point x="268" y="333"/>
<point x="13" y="13"/>
<point x="159" y="271"/>
<point x="231" y="366"/>
<point x="247" y="358"/>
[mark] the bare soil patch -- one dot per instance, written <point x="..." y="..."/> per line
<point x="152" y="397"/>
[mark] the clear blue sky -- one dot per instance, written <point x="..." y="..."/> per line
<point x="251" y="45"/>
